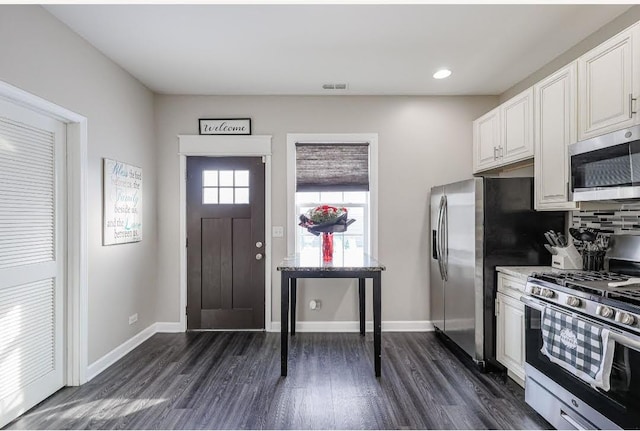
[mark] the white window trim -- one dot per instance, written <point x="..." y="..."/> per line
<point x="224" y="146"/>
<point x="340" y="138"/>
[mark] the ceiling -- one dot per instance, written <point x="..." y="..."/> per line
<point x="294" y="49"/>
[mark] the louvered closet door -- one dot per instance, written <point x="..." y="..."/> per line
<point x="32" y="231"/>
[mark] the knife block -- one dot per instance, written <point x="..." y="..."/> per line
<point x="566" y="258"/>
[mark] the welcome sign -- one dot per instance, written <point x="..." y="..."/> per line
<point x="225" y="126"/>
<point x="122" y="203"/>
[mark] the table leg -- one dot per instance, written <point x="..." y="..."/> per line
<point x="294" y="291"/>
<point x="377" y="321"/>
<point x="284" y="320"/>
<point x="362" y="303"/>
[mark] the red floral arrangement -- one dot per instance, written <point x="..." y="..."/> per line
<point x="325" y="218"/>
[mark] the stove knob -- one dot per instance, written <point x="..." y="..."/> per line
<point x="572" y="301"/>
<point x="626" y="318"/>
<point x="604" y="311"/>
<point x="534" y="290"/>
<point x="547" y="293"/>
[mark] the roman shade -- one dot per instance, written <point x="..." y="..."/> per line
<point x="332" y="167"/>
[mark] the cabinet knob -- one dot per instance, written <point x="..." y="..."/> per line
<point x="259" y="256"/>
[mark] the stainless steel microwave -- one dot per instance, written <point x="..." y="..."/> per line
<point x="606" y="167"/>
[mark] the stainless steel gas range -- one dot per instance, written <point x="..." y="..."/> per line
<point x="583" y="342"/>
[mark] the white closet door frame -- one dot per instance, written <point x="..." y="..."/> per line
<point x="76" y="325"/>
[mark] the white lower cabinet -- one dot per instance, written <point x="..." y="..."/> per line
<point x="510" y="327"/>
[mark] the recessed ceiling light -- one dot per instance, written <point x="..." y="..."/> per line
<point x="442" y="73"/>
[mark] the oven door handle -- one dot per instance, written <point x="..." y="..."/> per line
<point x="625" y="339"/>
<point x="530" y="302"/>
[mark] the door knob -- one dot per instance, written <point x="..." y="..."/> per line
<point x="259" y="244"/>
<point x="259" y="256"/>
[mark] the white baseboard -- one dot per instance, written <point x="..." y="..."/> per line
<point x="119" y="352"/>
<point x="169" y="327"/>
<point x="354" y="326"/>
<point x="307" y="326"/>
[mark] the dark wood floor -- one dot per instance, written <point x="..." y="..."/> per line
<point x="211" y="380"/>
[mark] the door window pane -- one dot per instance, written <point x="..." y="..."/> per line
<point x="242" y="178"/>
<point x="242" y="195"/>
<point x="226" y="195"/>
<point x="225" y="187"/>
<point x="210" y="195"/>
<point x="226" y="178"/>
<point x="210" y="178"/>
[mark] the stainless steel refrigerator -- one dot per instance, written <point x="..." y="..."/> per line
<point x="476" y="225"/>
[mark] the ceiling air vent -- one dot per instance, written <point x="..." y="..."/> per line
<point x="334" y="86"/>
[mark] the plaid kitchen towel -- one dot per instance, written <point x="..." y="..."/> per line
<point x="583" y="349"/>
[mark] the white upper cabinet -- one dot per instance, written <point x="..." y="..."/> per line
<point x="517" y="128"/>
<point x="504" y="135"/>
<point x="555" y="124"/>
<point x="609" y="83"/>
<point x="486" y="140"/>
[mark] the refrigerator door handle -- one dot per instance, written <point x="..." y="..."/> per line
<point x="445" y="240"/>
<point x="439" y="237"/>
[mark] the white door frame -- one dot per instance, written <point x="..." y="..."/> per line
<point x="224" y="146"/>
<point x="77" y="303"/>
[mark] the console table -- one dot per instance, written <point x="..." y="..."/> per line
<point x="360" y="266"/>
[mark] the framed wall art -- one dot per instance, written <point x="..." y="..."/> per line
<point x="122" y="203"/>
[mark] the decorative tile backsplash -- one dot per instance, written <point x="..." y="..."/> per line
<point x="624" y="221"/>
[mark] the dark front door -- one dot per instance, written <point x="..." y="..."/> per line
<point x="225" y="243"/>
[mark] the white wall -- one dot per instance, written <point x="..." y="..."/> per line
<point x="423" y="142"/>
<point x="42" y="56"/>
<point x="605" y="32"/>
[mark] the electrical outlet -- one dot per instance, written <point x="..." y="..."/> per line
<point x="277" y="231"/>
<point x="133" y="318"/>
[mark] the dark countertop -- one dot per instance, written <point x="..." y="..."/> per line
<point x="348" y="262"/>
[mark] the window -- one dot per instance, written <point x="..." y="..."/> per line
<point x="225" y="187"/>
<point x="337" y="170"/>
<point x="354" y="240"/>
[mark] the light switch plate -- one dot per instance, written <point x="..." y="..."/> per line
<point x="277" y="231"/>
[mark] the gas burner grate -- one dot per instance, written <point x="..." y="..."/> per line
<point x="579" y="276"/>
<point x="626" y="295"/>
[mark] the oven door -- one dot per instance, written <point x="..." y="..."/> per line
<point x="621" y="404"/>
